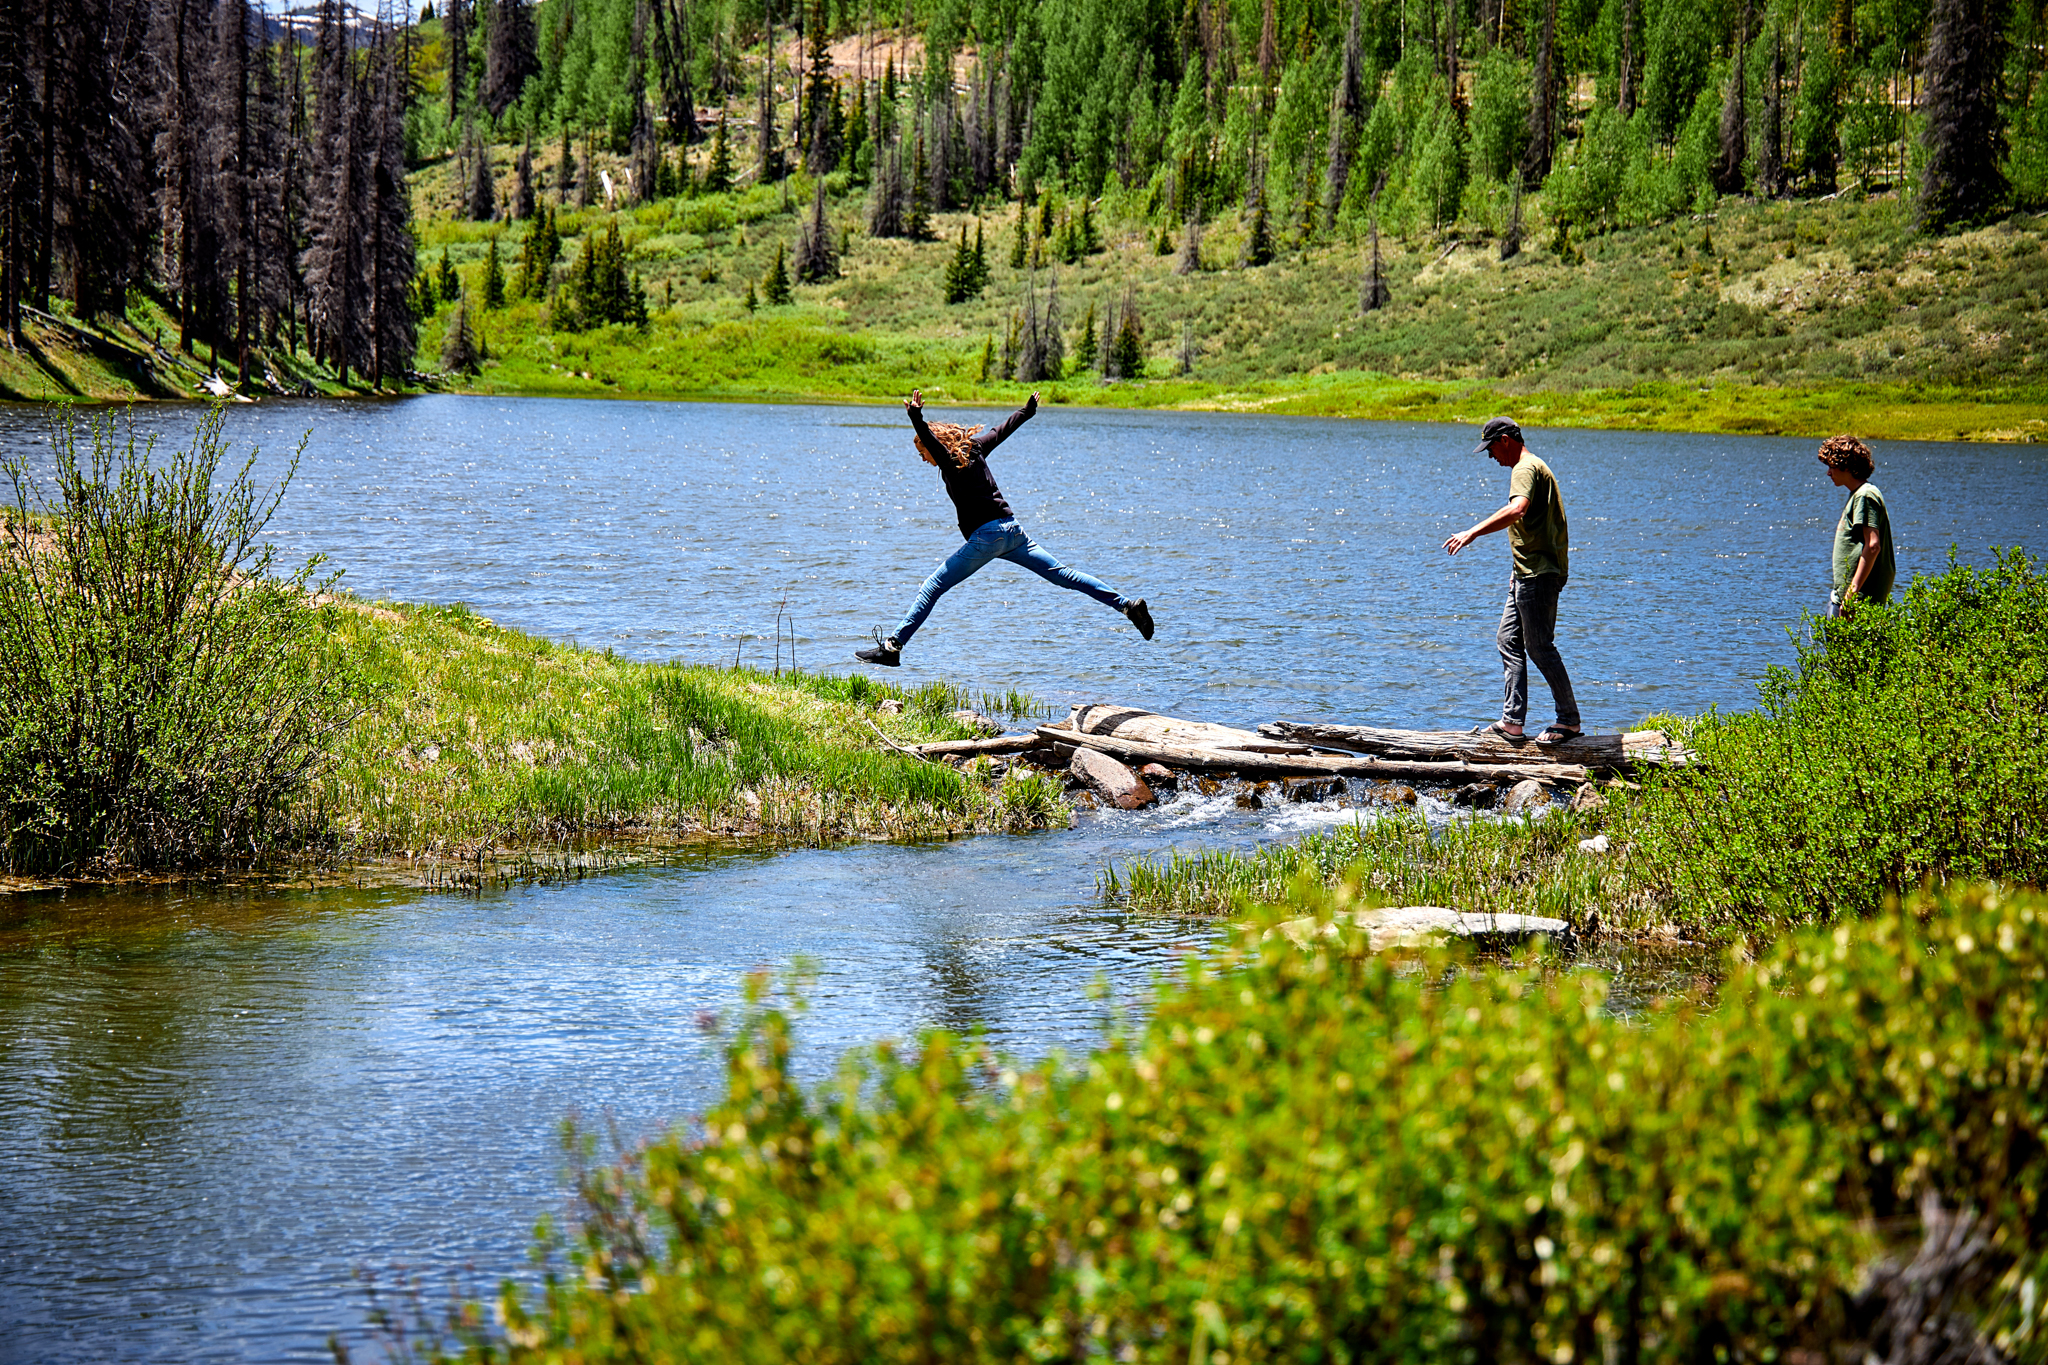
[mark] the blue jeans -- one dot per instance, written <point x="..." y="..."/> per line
<point x="1527" y="631"/>
<point x="997" y="540"/>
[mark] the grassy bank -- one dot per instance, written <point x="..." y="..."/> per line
<point x="1903" y="745"/>
<point x="474" y="738"/>
<point x="1321" y="1155"/>
<point x="1773" y="317"/>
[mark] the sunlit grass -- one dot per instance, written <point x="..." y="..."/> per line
<point x="482" y="737"/>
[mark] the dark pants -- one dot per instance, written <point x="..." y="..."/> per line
<point x="1526" y="630"/>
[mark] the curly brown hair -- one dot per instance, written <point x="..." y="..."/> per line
<point x="954" y="440"/>
<point x="1847" y="454"/>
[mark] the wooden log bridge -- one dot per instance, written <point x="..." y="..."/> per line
<point x="1145" y="737"/>
<point x="1599" y="753"/>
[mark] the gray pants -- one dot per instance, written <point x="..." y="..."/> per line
<point x="1526" y="630"/>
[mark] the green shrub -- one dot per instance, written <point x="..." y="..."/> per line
<point x="1323" y="1155"/>
<point x="1907" y="742"/>
<point x="164" y="697"/>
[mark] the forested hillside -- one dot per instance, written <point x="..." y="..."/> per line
<point x="240" y="172"/>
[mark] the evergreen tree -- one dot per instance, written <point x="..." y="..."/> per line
<point x="458" y="344"/>
<point x="448" y="279"/>
<point x="775" y="287"/>
<point x="959" y="283"/>
<point x="1258" y="248"/>
<point x="1962" y="181"/>
<point x="822" y="132"/>
<point x="481" y="200"/>
<point x="494" y="278"/>
<point x="1086" y="349"/>
<point x="599" y="287"/>
<point x="1020" y="245"/>
<point x="455" y="42"/>
<point x="816" y="258"/>
<point x="886" y="216"/>
<point x="565" y="168"/>
<point x="917" y="225"/>
<point x="718" y="174"/>
<point x="509" y="55"/>
<point x="751" y="302"/>
<point x="522" y="192"/>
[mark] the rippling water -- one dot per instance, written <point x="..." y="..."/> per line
<point x="216" y="1105"/>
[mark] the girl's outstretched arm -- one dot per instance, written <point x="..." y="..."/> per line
<point x="914" y="405"/>
<point x="989" y="440"/>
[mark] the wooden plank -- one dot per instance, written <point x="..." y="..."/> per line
<point x="1310" y="764"/>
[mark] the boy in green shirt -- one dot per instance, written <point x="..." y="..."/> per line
<point x="1863" y="537"/>
<point x="1534" y="518"/>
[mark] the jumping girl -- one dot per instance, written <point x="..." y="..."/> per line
<point x="961" y="454"/>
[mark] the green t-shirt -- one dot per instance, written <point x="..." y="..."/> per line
<point x="1541" y="543"/>
<point x="1865" y="508"/>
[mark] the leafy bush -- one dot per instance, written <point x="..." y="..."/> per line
<point x="1907" y="742"/>
<point x="165" y="698"/>
<point x="1323" y="1155"/>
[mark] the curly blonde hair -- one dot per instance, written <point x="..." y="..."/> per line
<point x="954" y="441"/>
<point x="1847" y="454"/>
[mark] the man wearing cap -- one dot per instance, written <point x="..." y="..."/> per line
<point x="1534" y="518"/>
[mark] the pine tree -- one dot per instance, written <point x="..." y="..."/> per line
<point x="481" y="200"/>
<point x="1965" y="133"/>
<point x="448" y="279"/>
<point x="1190" y="262"/>
<point x="494" y="278"/>
<point x="458" y="344"/>
<point x="522" y="192"/>
<point x="917" y="224"/>
<point x="1086" y="348"/>
<point x="959" y="284"/>
<point x="565" y="168"/>
<point x="718" y="174"/>
<point x="886" y="200"/>
<point x="1020" y="245"/>
<point x="1126" y="350"/>
<point x="509" y="55"/>
<point x="816" y="258"/>
<point x="750" y="302"/>
<point x="822" y="135"/>
<point x="1259" y="246"/>
<point x="775" y="287"/>
<point x="455" y="39"/>
<point x="1347" y="118"/>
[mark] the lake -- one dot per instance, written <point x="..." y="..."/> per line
<point x="217" y="1104"/>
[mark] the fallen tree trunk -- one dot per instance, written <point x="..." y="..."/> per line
<point x="1001" y="744"/>
<point x="1614" y="753"/>
<point x="1305" y="764"/>
<point x="1149" y="727"/>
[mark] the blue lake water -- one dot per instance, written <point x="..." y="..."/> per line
<point x="216" y="1104"/>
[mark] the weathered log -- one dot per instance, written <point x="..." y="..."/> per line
<point x="1149" y="727"/>
<point x="1606" y="752"/>
<point x="1308" y="764"/>
<point x="1000" y="744"/>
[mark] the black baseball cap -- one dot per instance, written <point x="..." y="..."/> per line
<point x="1495" y="428"/>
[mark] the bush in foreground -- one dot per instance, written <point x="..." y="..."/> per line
<point x="164" y="699"/>
<point x="1906" y="742"/>
<point x="1324" y="1155"/>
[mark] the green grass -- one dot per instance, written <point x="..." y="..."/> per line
<point x="1500" y="867"/>
<point x="481" y="738"/>
<point x="1770" y="318"/>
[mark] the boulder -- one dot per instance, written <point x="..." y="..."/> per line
<point x="890" y="706"/>
<point x="1525" y="798"/>
<point x="977" y="722"/>
<point x="1159" y="775"/>
<point x="1312" y="788"/>
<point x="1588" y="797"/>
<point x="1396" y="795"/>
<point x="1112" y="781"/>
<point x="1477" y="795"/>
<point x="1596" y="844"/>
<point x="1248" y="798"/>
<point x="1409" y="925"/>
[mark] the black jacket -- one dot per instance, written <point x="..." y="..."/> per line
<point x="971" y="486"/>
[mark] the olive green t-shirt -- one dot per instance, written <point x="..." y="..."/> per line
<point x="1540" y="541"/>
<point x="1864" y="508"/>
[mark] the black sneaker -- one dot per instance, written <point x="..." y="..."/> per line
<point x="1141" y="617"/>
<point x="884" y="653"/>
